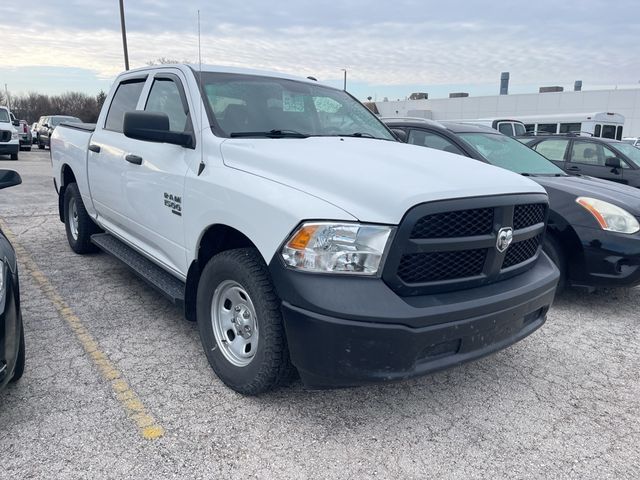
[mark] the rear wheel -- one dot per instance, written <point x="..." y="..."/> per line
<point x="554" y="250"/>
<point x="40" y="144"/>
<point x="14" y="156"/>
<point x="77" y="221"/>
<point x="240" y="323"/>
<point x="20" y="362"/>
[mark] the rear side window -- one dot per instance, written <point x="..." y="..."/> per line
<point x="164" y="97"/>
<point x="431" y="140"/>
<point x="547" y="127"/>
<point x="570" y="127"/>
<point x="505" y="129"/>
<point x="597" y="130"/>
<point x="552" y="149"/>
<point x="125" y="100"/>
<point x="519" y="129"/>
<point x="619" y="133"/>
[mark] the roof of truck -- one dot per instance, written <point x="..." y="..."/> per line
<point x="227" y="69"/>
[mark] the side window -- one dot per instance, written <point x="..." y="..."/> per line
<point x="588" y="153"/>
<point x="164" y="97"/>
<point x="125" y="100"/>
<point x="552" y="149"/>
<point x="608" y="153"/>
<point x="519" y="129"/>
<point x="505" y="129"/>
<point x="609" y="131"/>
<point x="619" y="133"/>
<point x="597" y="130"/>
<point x="432" y="140"/>
<point x="547" y="127"/>
<point x="570" y="127"/>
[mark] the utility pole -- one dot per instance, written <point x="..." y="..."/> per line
<point x="345" y="79"/>
<point x="124" y="36"/>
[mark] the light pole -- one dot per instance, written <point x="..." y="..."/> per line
<point x="345" y="78"/>
<point x="124" y="36"/>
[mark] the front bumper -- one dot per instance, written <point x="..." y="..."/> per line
<point x="345" y="331"/>
<point x="607" y="259"/>
<point x="9" y="148"/>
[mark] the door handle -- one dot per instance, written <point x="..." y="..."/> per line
<point x="135" y="159"/>
<point x="94" y="148"/>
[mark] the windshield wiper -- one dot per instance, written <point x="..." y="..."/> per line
<point x="275" y="133"/>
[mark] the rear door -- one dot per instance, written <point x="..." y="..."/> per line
<point x="106" y="164"/>
<point x="554" y="150"/>
<point x="588" y="158"/>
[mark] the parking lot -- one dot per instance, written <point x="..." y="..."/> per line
<point x="117" y="384"/>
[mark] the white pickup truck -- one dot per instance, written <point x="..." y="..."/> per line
<point x="288" y="222"/>
<point x="9" y="139"/>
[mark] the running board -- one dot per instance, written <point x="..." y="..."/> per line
<point x="162" y="281"/>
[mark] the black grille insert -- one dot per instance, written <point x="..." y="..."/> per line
<point x="5" y="136"/>
<point x="521" y="252"/>
<point x="439" y="266"/>
<point x="461" y="223"/>
<point x="527" y="215"/>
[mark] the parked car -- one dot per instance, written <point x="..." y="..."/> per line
<point x="597" y="157"/>
<point x="12" y="348"/>
<point x="34" y="133"/>
<point x="298" y="232"/>
<point x="47" y="125"/>
<point x="24" y="135"/>
<point x="593" y="233"/>
<point x="635" y="141"/>
<point x="9" y="141"/>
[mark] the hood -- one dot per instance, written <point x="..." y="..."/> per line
<point x="373" y="180"/>
<point x="621" y="195"/>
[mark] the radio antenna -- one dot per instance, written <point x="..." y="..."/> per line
<point x="201" y="89"/>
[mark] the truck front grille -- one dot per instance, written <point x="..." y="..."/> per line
<point x="444" y="246"/>
<point x="5" y="136"/>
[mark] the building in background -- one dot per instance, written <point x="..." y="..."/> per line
<point x="623" y="101"/>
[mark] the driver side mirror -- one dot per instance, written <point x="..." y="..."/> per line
<point x="154" y="127"/>
<point x="613" y="162"/>
<point x="16" y="123"/>
<point x="401" y="135"/>
<point x="45" y="125"/>
<point x="9" y="178"/>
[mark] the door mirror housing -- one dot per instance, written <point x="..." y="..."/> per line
<point x="154" y="127"/>
<point x="400" y="134"/>
<point x="9" y="178"/>
<point x="613" y="162"/>
<point x="16" y="123"/>
<point x="45" y="125"/>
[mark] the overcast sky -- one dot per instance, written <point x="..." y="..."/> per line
<point x="390" y="48"/>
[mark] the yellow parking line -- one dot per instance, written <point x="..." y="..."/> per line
<point x="148" y="426"/>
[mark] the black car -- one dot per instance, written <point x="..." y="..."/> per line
<point x="597" y="157"/>
<point x="46" y="126"/>
<point x="594" y="230"/>
<point x="12" y="358"/>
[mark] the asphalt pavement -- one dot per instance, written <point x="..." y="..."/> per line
<point x="117" y="386"/>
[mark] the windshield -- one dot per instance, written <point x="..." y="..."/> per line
<point x="508" y="153"/>
<point x="632" y="153"/>
<point x="4" y="116"/>
<point x="55" y="121"/>
<point x="247" y="105"/>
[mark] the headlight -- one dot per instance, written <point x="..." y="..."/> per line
<point x="337" y="248"/>
<point x="14" y="135"/>
<point x="610" y="217"/>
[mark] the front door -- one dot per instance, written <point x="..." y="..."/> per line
<point x="589" y="158"/>
<point x="154" y="188"/>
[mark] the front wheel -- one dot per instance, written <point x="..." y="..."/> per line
<point x="554" y="250"/>
<point x="77" y="221"/>
<point x="240" y="323"/>
<point x="14" y="156"/>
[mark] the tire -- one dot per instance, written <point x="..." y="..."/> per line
<point x="20" y="361"/>
<point x="40" y="144"/>
<point x="14" y="156"/>
<point x="28" y="149"/>
<point x="556" y="254"/>
<point x="77" y="223"/>
<point x="224" y="280"/>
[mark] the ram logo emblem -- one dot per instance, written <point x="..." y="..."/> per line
<point x="505" y="237"/>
